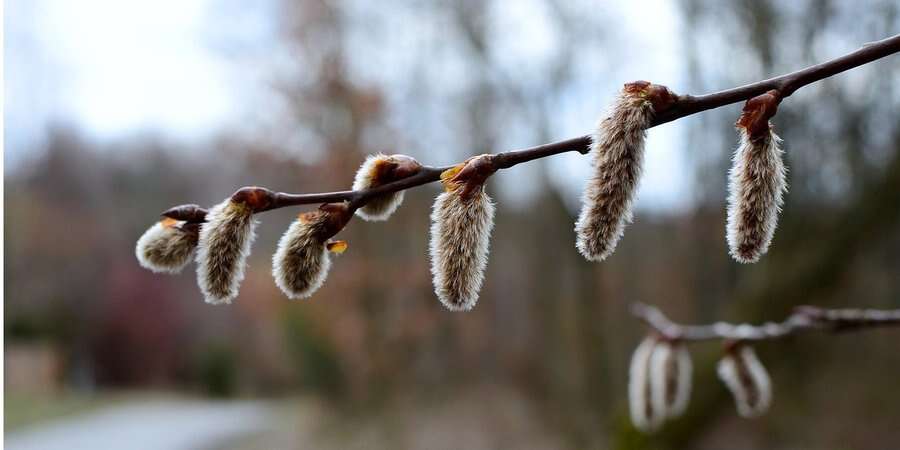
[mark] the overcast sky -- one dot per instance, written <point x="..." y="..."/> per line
<point x="118" y="68"/>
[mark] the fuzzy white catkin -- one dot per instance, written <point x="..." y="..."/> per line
<point x="670" y="378"/>
<point x="381" y="207"/>
<point x="747" y="380"/>
<point x="224" y="245"/>
<point x="301" y="263"/>
<point x="459" y="244"/>
<point x="617" y="155"/>
<point x="756" y="186"/>
<point x="165" y="248"/>
<point x="644" y="415"/>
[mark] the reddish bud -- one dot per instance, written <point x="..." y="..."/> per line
<point x="470" y="175"/>
<point x="659" y="96"/>
<point x="338" y="215"/>
<point x="258" y="199"/>
<point x="757" y="112"/>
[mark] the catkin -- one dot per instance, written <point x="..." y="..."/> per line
<point x="166" y="247"/>
<point x="747" y="380"/>
<point x="670" y="378"/>
<point x="756" y="182"/>
<point x="378" y="170"/>
<point x="644" y="414"/>
<point x="756" y="186"/>
<point x="301" y="263"/>
<point x="617" y="157"/>
<point x="222" y="251"/>
<point x="460" y="238"/>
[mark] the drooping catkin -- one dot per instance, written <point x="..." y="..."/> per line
<point x="301" y="263"/>
<point x="645" y="416"/>
<point x="378" y="170"/>
<point x="617" y="156"/>
<point x="756" y="186"/>
<point x="747" y="380"/>
<point x="222" y="251"/>
<point x="670" y="378"/>
<point x="756" y="182"/>
<point x="166" y="247"/>
<point x="461" y="222"/>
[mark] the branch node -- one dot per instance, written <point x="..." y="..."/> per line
<point x="757" y="112"/>
<point x="470" y="175"/>
<point x="659" y="96"/>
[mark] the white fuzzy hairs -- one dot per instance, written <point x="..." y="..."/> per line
<point x="222" y="251"/>
<point x="165" y="247"/>
<point x="301" y="263"/>
<point x="617" y="156"/>
<point x="378" y="170"/>
<point x="459" y="244"/>
<point x="643" y="415"/>
<point x="670" y="378"/>
<point x="756" y="186"/>
<point x="659" y="382"/>
<point x="747" y="380"/>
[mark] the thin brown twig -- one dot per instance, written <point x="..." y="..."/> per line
<point x="685" y="105"/>
<point x="803" y="319"/>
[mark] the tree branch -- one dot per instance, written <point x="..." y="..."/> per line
<point x="803" y="319"/>
<point x="685" y="105"/>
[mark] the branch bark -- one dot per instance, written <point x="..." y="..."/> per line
<point x="803" y="319"/>
<point x="685" y="105"/>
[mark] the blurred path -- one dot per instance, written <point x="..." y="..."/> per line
<point x="156" y="424"/>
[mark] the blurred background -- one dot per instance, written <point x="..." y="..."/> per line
<point x="117" y="110"/>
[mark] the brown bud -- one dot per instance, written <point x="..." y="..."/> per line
<point x="470" y="175"/>
<point x="659" y="96"/>
<point x="187" y="213"/>
<point x="337" y="215"/>
<point x="757" y="112"/>
<point x="257" y="198"/>
<point x="399" y="167"/>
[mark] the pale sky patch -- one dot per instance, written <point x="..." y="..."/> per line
<point x="114" y="68"/>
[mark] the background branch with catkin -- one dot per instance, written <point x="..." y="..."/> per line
<point x="661" y="375"/>
<point x="804" y="319"/>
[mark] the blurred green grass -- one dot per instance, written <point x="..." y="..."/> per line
<point x="22" y="409"/>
